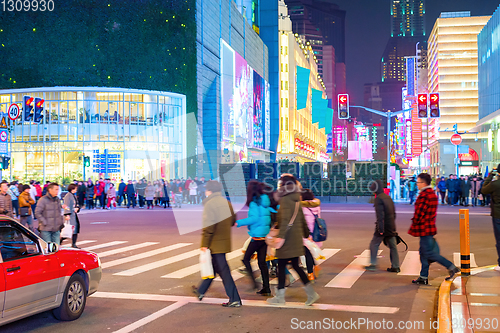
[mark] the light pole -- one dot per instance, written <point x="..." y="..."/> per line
<point x="388" y="115"/>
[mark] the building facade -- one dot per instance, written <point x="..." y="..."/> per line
<point x="127" y="133"/>
<point x="407" y="18"/>
<point x="453" y="73"/>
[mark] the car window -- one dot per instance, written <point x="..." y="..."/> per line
<point x="15" y="244"/>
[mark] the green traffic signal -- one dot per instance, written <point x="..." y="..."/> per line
<point x="86" y="161"/>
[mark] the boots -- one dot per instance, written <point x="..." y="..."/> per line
<point x="74" y="238"/>
<point x="279" y="299"/>
<point x="312" y="296"/>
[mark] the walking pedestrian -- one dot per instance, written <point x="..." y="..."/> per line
<point x="218" y="218"/>
<point x="424" y="226"/>
<point x="412" y="187"/>
<point x="465" y="187"/>
<point x="48" y="212"/>
<point x="71" y="208"/>
<point x="111" y="196"/>
<point x="141" y="189"/>
<point x="492" y="187"/>
<point x="292" y="229"/>
<point x="121" y="193"/>
<point x="311" y="209"/>
<point x="193" y="192"/>
<point x="14" y="194"/>
<point x="385" y="228"/>
<point x="90" y="195"/>
<point x="259" y="224"/>
<point x="33" y="196"/>
<point x="25" y="203"/>
<point x="5" y="200"/>
<point x="475" y="186"/>
<point x="442" y="190"/>
<point x="130" y="195"/>
<point x="149" y="194"/>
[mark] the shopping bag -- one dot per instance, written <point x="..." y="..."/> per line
<point x="206" y="268"/>
<point x="314" y="249"/>
<point x="271" y="254"/>
<point x="303" y="261"/>
<point x="67" y="231"/>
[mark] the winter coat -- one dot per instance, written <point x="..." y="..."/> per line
<point x="493" y="188"/>
<point x="386" y="213"/>
<point x="112" y="192"/>
<point x="6" y="205"/>
<point x="456" y="184"/>
<point x="99" y="189"/>
<point x="130" y="190"/>
<point x="424" y="219"/>
<point x="259" y="217"/>
<point x="141" y="188"/>
<point x="48" y="213"/>
<point x="442" y="186"/>
<point x="465" y="187"/>
<point x="311" y="208"/>
<point x="150" y="192"/>
<point x="26" y="201"/>
<point x="475" y="188"/>
<point x="218" y="218"/>
<point x="13" y="192"/>
<point x="71" y="203"/>
<point x="90" y="192"/>
<point x="449" y="184"/>
<point x="288" y="197"/>
<point x="121" y="188"/>
<point x="193" y="188"/>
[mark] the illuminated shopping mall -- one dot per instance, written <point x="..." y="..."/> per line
<point x="143" y="132"/>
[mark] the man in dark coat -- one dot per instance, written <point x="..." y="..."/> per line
<point x="457" y="190"/>
<point x="449" y="187"/>
<point x="218" y="218"/>
<point x="130" y="195"/>
<point x="385" y="228"/>
<point x="465" y="187"/>
<point x="121" y="193"/>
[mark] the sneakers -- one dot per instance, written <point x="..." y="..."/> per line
<point x="421" y="281"/>
<point x="232" y="304"/>
<point x="394" y="270"/>
<point x="452" y="272"/>
<point x="197" y="293"/>
<point x="371" y="268"/>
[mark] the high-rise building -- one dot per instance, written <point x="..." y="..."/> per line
<point x="453" y="73"/>
<point x="320" y="22"/>
<point x="407" y="18"/>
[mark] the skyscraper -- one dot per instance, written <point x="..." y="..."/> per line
<point x="407" y="18"/>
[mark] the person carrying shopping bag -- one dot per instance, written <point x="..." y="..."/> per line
<point x="258" y="223"/>
<point x="292" y="230"/>
<point x="71" y="208"/>
<point x="311" y="209"/>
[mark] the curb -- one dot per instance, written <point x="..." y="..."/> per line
<point x="444" y="308"/>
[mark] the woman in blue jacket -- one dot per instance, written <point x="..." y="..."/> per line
<point x="259" y="224"/>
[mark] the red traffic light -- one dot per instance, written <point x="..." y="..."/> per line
<point x="40" y="102"/>
<point x="434" y="98"/>
<point x="29" y="101"/>
<point x="422" y="98"/>
<point x="342" y="98"/>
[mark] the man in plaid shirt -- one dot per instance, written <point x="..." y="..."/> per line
<point x="424" y="226"/>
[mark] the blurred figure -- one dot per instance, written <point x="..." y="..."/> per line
<point x="71" y="209"/>
<point x="130" y="195"/>
<point x="465" y="189"/>
<point x="218" y="218"/>
<point x="25" y="203"/>
<point x="90" y="195"/>
<point x="150" y="194"/>
<point x="193" y="192"/>
<point x="412" y="187"/>
<point x="121" y="193"/>
<point x="111" y="196"/>
<point x="311" y="209"/>
<point x="13" y="191"/>
<point x="5" y="200"/>
<point x="80" y="193"/>
<point x="442" y="190"/>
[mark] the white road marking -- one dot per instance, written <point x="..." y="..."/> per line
<point x="352" y="272"/>
<point x="411" y="264"/>
<point x="158" y="264"/>
<point x="152" y="317"/>
<point x="288" y="305"/>
<point x="100" y="246"/>
<point x="457" y="262"/>
<point x="125" y="249"/>
<point x="144" y="255"/>
<point x="85" y="242"/>
<point x="182" y="273"/>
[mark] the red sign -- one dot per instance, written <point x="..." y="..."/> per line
<point x="456" y="139"/>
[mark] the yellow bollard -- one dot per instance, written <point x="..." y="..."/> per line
<point x="464" y="242"/>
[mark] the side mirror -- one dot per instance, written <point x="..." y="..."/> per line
<point x="52" y="247"/>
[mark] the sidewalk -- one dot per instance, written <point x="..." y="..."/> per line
<point x="473" y="303"/>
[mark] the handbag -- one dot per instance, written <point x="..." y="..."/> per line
<point x="67" y="230"/>
<point x="271" y="238"/>
<point x="398" y="240"/>
<point x="319" y="233"/>
<point x="24" y="211"/>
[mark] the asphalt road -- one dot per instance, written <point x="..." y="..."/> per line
<point x="150" y="264"/>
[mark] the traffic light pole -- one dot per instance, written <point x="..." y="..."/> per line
<point x="388" y="115"/>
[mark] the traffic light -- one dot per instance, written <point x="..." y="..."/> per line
<point x="86" y="161"/>
<point x="6" y="162"/>
<point x="28" y="108"/>
<point x="422" y="105"/>
<point x="434" y="105"/>
<point x="38" y="110"/>
<point x="343" y="106"/>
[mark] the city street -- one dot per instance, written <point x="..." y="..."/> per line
<point x="149" y="268"/>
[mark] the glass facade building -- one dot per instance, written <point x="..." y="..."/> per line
<point x="142" y="131"/>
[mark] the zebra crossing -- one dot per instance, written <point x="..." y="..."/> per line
<point x="114" y="254"/>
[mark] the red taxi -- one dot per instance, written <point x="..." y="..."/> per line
<point x="36" y="276"/>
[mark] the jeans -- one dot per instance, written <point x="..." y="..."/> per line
<point x="131" y="200"/>
<point x="428" y="253"/>
<point x="102" y="200"/>
<point x="15" y="207"/>
<point x="374" y="245"/>
<point x="260" y="247"/>
<point x="141" y="201"/>
<point x="474" y="201"/>
<point x="150" y="203"/>
<point x="282" y="271"/>
<point x="412" y="196"/>
<point x="496" y="230"/>
<point x="221" y="267"/>
<point x="51" y="236"/>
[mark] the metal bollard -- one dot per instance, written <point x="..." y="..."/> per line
<point x="464" y="242"/>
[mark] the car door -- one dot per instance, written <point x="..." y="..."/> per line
<point x="2" y="287"/>
<point x="31" y="277"/>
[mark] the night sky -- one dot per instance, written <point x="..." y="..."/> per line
<point x="368" y="30"/>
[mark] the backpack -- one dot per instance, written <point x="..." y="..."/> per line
<point x="319" y="233"/>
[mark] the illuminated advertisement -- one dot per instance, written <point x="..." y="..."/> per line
<point x="246" y="104"/>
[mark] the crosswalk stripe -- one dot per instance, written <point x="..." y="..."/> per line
<point x="456" y="259"/>
<point x="352" y="272"/>
<point x="411" y="264"/>
<point x="158" y="264"/>
<point x="85" y="242"/>
<point x="143" y="255"/>
<point x="100" y="246"/>
<point x="182" y="273"/>
<point x="125" y="249"/>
